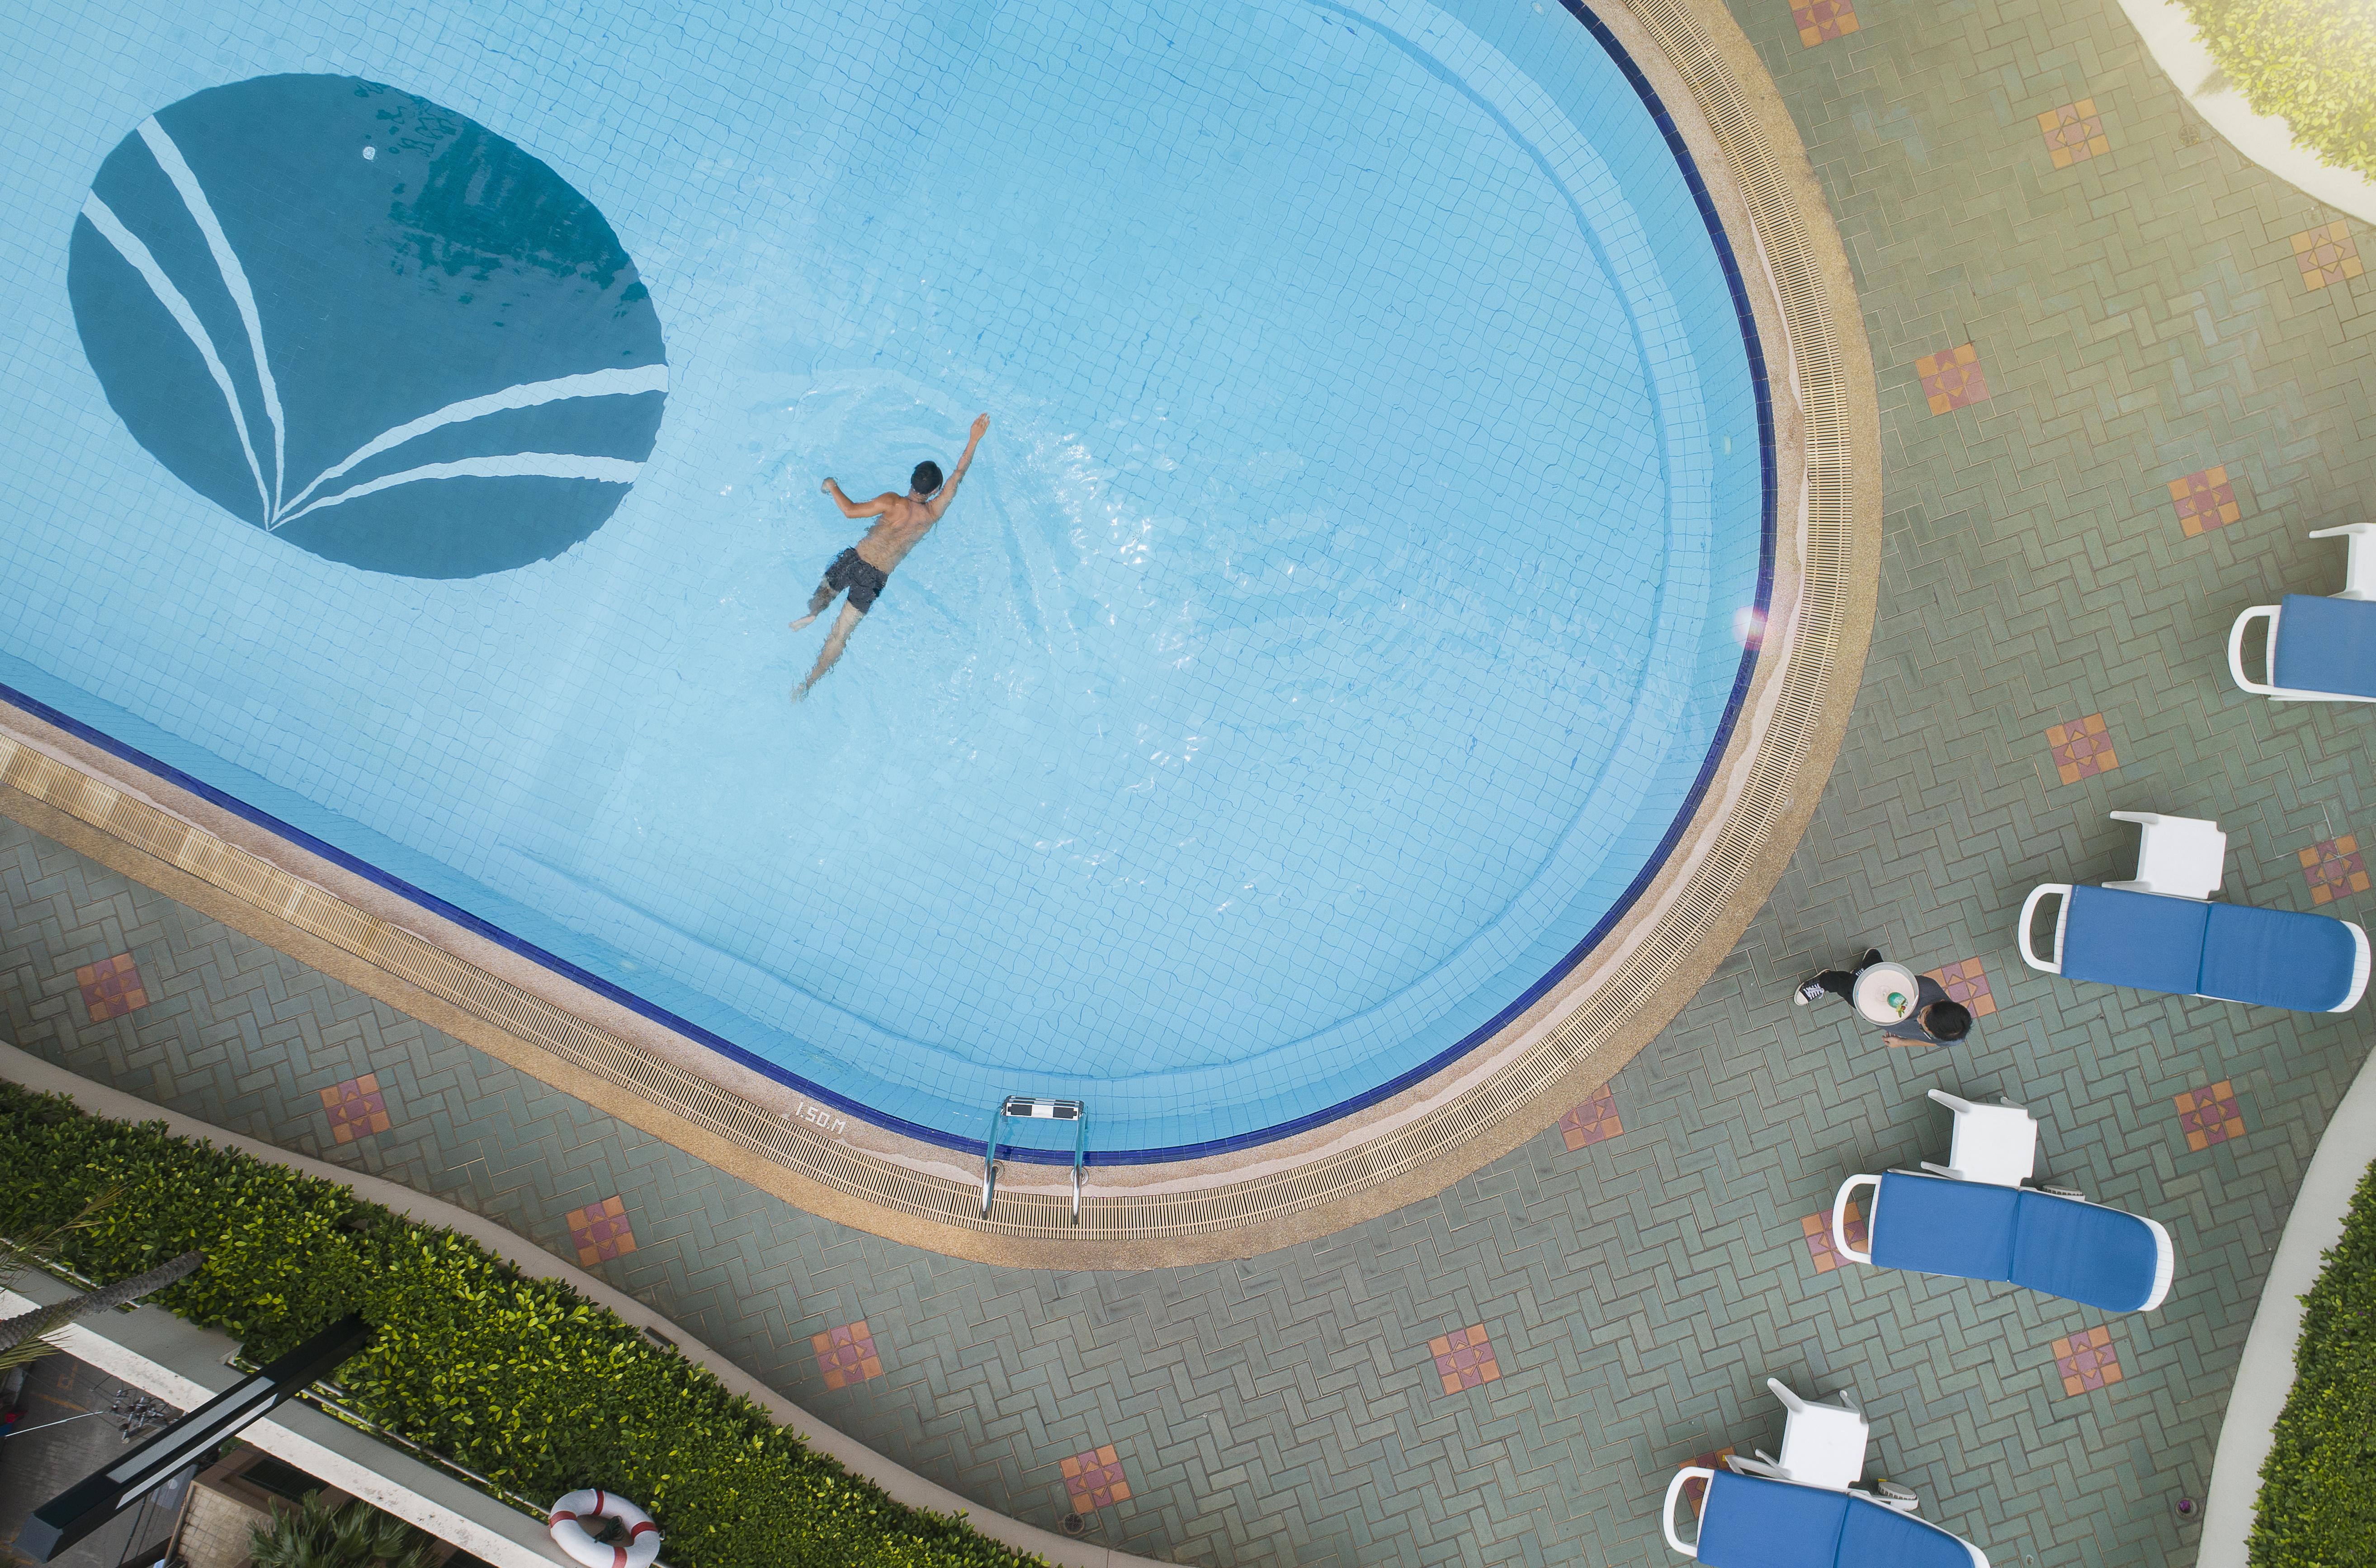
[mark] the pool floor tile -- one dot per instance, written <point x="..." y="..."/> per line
<point x="1952" y="379"/>
<point x="2333" y="867"/>
<point x="1817" y="1229"/>
<point x="1094" y="1479"/>
<point x="600" y="1231"/>
<point x="2074" y="133"/>
<point x="1464" y="1358"/>
<point x="2326" y="255"/>
<point x="357" y="1108"/>
<point x="2205" y="500"/>
<point x="111" y="988"/>
<point x="1965" y="980"/>
<point x="2210" y="1115"/>
<point x="2082" y="750"/>
<point x="1592" y="1121"/>
<point x="847" y="1354"/>
<point x="1820" y="21"/>
<point x="2087" y="1361"/>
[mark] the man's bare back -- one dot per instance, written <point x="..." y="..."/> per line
<point x="901" y="521"/>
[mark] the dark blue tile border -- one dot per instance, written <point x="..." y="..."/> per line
<point x="727" y="1048"/>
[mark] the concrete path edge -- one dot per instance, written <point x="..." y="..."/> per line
<point x="905" y="1486"/>
<point x="2265" y="1374"/>
<point x="2266" y="139"/>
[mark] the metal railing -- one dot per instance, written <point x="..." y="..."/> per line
<point x="1035" y="1109"/>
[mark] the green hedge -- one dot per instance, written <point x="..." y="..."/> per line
<point x="521" y="1380"/>
<point x="2318" y="1488"/>
<point x="2311" y="61"/>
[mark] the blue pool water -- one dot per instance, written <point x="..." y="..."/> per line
<point x="1336" y="623"/>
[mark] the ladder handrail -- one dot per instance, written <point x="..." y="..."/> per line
<point x="1034" y="1108"/>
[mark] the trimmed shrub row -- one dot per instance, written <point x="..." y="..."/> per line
<point x="521" y="1380"/>
<point x="2317" y="1487"/>
<point x="2311" y="61"/>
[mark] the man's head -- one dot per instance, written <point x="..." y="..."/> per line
<point x="1947" y="1020"/>
<point x="925" y="480"/>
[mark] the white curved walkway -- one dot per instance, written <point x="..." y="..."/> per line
<point x="19" y="1067"/>
<point x="2265" y="1376"/>
<point x="2267" y="140"/>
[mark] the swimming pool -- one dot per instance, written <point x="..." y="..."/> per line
<point x="1338" y="622"/>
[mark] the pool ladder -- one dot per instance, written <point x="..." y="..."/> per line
<point x="1037" y="1109"/>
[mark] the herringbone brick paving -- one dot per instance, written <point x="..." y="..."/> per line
<point x="2142" y="317"/>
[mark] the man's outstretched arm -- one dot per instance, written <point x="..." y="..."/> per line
<point x="949" y="492"/>
<point x="862" y="508"/>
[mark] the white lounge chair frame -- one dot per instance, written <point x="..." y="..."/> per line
<point x="1996" y="1144"/>
<point x="2358" y="583"/>
<point x="2180" y="857"/>
<point x="2052" y="964"/>
<point x="2165" y="1255"/>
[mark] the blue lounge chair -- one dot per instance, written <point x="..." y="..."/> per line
<point x="2320" y="650"/>
<point x="1750" y="1522"/>
<point x="2272" y="957"/>
<point x="2046" y="1241"/>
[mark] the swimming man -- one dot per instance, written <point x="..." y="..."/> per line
<point x="901" y="521"/>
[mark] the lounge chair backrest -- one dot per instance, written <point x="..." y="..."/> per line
<point x="1933" y="1225"/>
<point x="2324" y="645"/>
<point x="1750" y="1522"/>
<point x="2144" y="940"/>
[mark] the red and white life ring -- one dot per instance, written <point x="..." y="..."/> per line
<point x="643" y="1535"/>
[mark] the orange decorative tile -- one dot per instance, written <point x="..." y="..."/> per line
<point x="2074" y="133"/>
<point x="1965" y="980"/>
<point x="1591" y="1122"/>
<point x="2087" y="1361"/>
<point x="600" y="1232"/>
<point x="1817" y="1229"/>
<point x="2326" y="255"/>
<point x="2205" y="500"/>
<point x="1951" y="378"/>
<point x="2082" y="750"/>
<point x="110" y="988"/>
<point x="2333" y="867"/>
<point x="1696" y="1488"/>
<point x="357" y="1108"/>
<point x="2210" y="1115"/>
<point x="847" y="1354"/>
<point x="1094" y="1479"/>
<point x="1820" y="21"/>
<point x="1464" y="1358"/>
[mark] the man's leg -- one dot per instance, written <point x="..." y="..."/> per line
<point x="818" y="601"/>
<point x="843" y="626"/>
<point x="1838" y="982"/>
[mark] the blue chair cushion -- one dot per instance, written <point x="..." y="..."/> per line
<point x="2082" y="1253"/>
<point x="2277" y="958"/>
<point x="1935" y="1225"/>
<point x="1875" y="1537"/>
<point x="2324" y="645"/>
<point x="2146" y="940"/>
<point x="1751" y="1522"/>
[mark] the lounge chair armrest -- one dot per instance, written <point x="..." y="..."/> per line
<point x="1949" y="1172"/>
<point x="1953" y="1102"/>
<point x="2236" y="651"/>
<point x="2345" y="531"/>
<point x="2037" y="895"/>
<point x="2165" y="1265"/>
<point x="1840" y="1217"/>
<point x="2359" y="970"/>
<point x="1675" y="1490"/>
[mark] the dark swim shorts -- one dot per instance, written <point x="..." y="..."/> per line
<point x="861" y="576"/>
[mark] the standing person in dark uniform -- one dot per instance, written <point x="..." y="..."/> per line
<point x="1935" y="1020"/>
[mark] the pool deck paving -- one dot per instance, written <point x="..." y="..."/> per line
<point x="2060" y="551"/>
